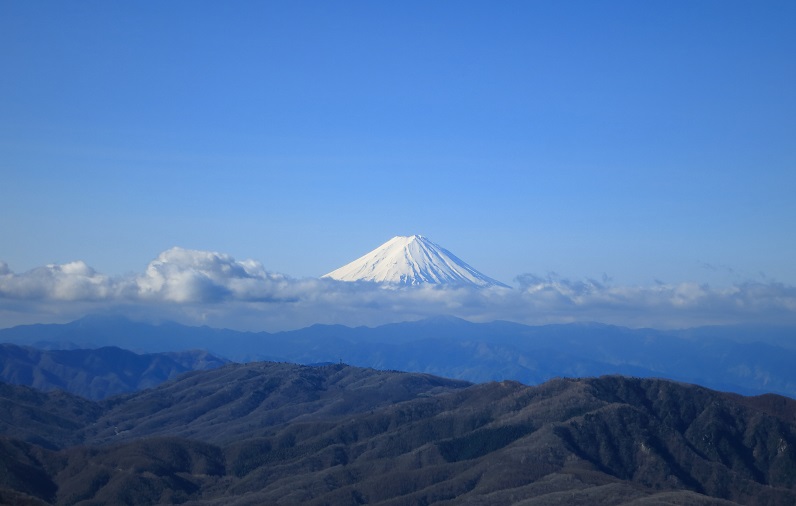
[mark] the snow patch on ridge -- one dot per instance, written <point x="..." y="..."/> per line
<point x="412" y="260"/>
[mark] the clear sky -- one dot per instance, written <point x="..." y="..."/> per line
<point x="641" y="142"/>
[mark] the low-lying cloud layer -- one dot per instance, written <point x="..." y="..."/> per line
<point x="201" y="287"/>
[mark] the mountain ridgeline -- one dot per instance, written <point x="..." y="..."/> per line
<point x="275" y="433"/>
<point x="747" y="360"/>
<point x="97" y="373"/>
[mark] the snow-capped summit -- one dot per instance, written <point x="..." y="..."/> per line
<point x="412" y="260"/>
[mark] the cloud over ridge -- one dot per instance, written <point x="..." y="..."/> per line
<point x="214" y="288"/>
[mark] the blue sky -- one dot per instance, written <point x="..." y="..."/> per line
<point x="641" y="142"/>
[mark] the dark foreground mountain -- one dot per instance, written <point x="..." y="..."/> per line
<point x="747" y="360"/>
<point x="266" y="433"/>
<point x="97" y="373"/>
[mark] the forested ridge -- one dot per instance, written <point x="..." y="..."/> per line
<point x="280" y="433"/>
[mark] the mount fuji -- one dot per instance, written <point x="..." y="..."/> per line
<point x="412" y="260"/>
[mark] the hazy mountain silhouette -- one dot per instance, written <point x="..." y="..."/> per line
<point x="97" y="373"/>
<point x="738" y="359"/>
<point x="266" y="433"/>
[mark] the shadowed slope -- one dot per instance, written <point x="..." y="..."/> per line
<point x="268" y="433"/>
<point x="239" y="401"/>
<point x="97" y="373"/>
<point x="50" y="420"/>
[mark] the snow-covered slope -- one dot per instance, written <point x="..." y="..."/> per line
<point x="411" y="260"/>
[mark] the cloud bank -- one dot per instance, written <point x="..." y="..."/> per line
<point x="201" y="287"/>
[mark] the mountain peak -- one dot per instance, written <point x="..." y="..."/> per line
<point x="407" y="239"/>
<point x="412" y="260"/>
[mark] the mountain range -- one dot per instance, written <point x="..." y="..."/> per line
<point x="97" y="373"/>
<point x="747" y="360"/>
<point x="106" y="410"/>
<point x="276" y="433"/>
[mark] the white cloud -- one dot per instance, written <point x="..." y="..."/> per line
<point x="181" y="275"/>
<point x="202" y="287"/>
<point x="70" y="282"/>
<point x="662" y="304"/>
